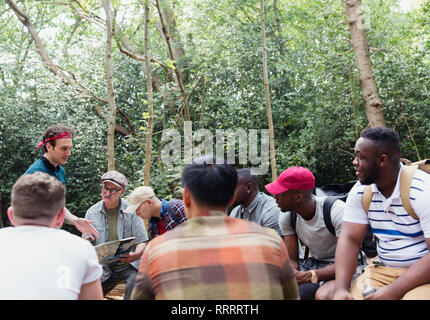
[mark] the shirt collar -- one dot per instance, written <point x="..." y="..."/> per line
<point x="163" y="210"/>
<point x="396" y="191"/>
<point x="122" y="206"/>
<point x="49" y="164"/>
<point x="216" y="213"/>
<point x="253" y="203"/>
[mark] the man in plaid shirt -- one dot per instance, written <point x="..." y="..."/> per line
<point x="213" y="256"/>
<point x="161" y="215"/>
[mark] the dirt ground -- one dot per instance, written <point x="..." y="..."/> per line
<point x="116" y="293"/>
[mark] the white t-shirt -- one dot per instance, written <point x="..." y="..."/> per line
<point x="41" y="263"/>
<point x="314" y="233"/>
<point x="401" y="238"/>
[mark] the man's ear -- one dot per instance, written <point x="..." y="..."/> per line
<point x="59" y="218"/>
<point x="298" y="196"/>
<point x="186" y="197"/>
<point x="10" y="215"/>
<point x="249" y="187"/>
<point x="383" y="160"/>
<point x="49" y="146"/>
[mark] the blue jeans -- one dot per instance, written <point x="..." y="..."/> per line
<point x="128" y="274"/>
<point x="307" y="290"/>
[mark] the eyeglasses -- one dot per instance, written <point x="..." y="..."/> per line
<point x="112" y="191"/>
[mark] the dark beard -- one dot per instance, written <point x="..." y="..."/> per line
<point x="371" y="178"/>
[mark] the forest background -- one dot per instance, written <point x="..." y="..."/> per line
<point x="206" y="65"/>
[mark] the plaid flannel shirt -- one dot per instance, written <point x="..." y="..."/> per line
<point x="171" y="214"/>
<point x="216" y="257"/>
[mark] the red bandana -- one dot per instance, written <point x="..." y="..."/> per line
<point x="62" y="135"/>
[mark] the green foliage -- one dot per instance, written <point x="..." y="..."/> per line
<point x="316" y="100"/>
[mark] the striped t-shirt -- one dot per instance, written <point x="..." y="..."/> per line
<point x="216" y="257"/>
<point x="401" y="238"/>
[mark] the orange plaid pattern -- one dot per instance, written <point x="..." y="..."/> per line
<point x="216" y="257"/>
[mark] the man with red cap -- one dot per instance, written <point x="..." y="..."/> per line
<point x="57" y="145"/>
<point x="302" y="217"/>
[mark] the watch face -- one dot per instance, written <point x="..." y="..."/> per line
<point x="314" y="278"/>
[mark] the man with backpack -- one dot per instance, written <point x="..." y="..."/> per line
<point x="302" y="217"/>
<point x="403" y="241"/>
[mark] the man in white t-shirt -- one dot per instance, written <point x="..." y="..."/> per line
<point x="293" y="193"/>
<point x="42" y="261"/>
<point x="403" y="242"/>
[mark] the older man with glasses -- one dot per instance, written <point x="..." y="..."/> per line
<point x="113" y="223"/>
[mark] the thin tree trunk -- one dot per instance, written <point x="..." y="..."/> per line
<point x="202" y="104"/>
<point x="111" y="92"/>
<point x="58" y="71"/>
<point x="171" y="56"/>
<point x="175" y="39"/>
<point x="267" y="93"/>
<point x="278" y="27"/>
<point x="147" y="173"/>
<point x="371" y="98"/>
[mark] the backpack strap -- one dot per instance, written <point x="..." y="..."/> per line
<point x="328" y="203"/>
<point x="367" y="198"/>
<point x="293" y="220"/>
<point x="406" y="176"/>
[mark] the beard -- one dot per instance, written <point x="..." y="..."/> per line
<point x="371" y="177"/>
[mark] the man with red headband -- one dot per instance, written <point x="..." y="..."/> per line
<point x="57" y="145"/>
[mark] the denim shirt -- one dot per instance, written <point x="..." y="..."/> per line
<point x="129" y="225"/>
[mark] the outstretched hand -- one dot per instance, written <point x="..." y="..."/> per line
<point x="85" y="227"/>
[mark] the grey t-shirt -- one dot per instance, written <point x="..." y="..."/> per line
<point x="314" y="233"/>
<point x="263" y="210"/>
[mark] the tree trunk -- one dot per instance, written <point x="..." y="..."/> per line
<point x="177" y="45"/>
<point x="175" y="65"/>
<point x="147" y="173"/>
<point x="372" y="101"/>
<point x="68" y="80"/>
<point x="111" y="92"/>
<point x="278" y="27"/>
<point x="267" y="94"/>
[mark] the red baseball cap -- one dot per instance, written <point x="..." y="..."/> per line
<point x="296" y="178"/>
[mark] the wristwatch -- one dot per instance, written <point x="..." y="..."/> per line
<point x="314" y="278"/>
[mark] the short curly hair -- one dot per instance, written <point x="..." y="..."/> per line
<point x="386" y="140"/>
<point x="53" y="131"/>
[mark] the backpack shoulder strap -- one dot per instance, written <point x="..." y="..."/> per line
<point x="406" y="176"/>
<point x="367" y="198"/>
<point x="293" y="220"/>
<point x="328" y="203"/>
<point x="423" y="165"/>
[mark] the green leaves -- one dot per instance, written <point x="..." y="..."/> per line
<point x="316" y="100"/>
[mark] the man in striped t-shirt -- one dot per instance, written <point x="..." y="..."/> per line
<point x="403" y="242"/>
<point x="212" y="256"/>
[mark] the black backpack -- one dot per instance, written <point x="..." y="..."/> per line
<point x="338" y="192"/>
